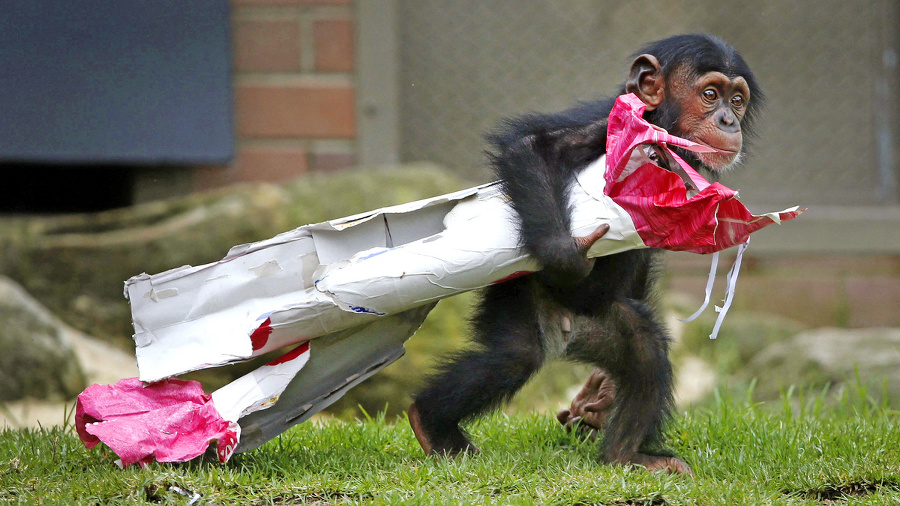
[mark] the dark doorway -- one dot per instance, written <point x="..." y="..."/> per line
<point x="39" y="188"/>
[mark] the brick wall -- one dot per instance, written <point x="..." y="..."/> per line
<point x="294" y="96"/>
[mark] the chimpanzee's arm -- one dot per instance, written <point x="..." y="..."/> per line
<point x="537" y="170"/>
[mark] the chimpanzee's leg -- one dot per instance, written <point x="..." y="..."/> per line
<point x="631" y="345"/>
<point x="508" y="350"/>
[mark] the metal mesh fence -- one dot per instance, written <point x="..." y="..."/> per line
<point x="827" y="136"/>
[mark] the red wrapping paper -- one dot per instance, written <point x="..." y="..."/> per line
<point x="657" y="199"/>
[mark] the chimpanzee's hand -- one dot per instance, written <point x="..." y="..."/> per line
<point x="591" y="405"/>
<point x="566" y="262"/>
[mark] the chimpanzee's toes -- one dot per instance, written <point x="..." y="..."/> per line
<point x="591" y="406"/>
<point x="451" y="443"/>
<point x="415" y="421"/>
<point x="653" y="463"/>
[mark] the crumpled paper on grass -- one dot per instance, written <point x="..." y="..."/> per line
<point x="174" y="420"/>
<point x="170" y="421"/>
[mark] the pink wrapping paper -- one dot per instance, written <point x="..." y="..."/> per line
<point x="170" y="421"/>
<point x="657" y="200"/>
<point x="175" y="420"/>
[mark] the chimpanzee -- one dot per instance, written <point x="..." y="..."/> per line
<point x="600" y="311"/>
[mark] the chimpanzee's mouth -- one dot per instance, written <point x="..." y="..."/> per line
<point x="720" y="150"/>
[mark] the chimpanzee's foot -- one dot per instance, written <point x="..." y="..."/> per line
<point x="449" y="444"/>
<point x="591" y="405"/>
<point x="653" y="463"/>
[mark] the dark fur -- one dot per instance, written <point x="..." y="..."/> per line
<point x="615" y="323"/>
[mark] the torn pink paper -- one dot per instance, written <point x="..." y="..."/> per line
<point x="174" y="420"/>
<point x="170" y="421"/>
<point x="657" y="200"/>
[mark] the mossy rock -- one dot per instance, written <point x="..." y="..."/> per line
<point x="36" y="359"/>
<point x="866" y="361"/>
<point x="444" y="332"/>
<point x="743" y="334"/>
<point x="76" y="264"/>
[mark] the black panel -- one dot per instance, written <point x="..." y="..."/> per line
<point x="115" y="81"/>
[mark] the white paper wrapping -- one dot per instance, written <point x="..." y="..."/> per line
<point x="323" y="278"/>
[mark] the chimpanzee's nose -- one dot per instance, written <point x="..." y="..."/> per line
<point x="727" y="121"/>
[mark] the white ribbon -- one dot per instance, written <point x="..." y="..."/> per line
<point x="709" y="286"/>
<point x="731" y="281"/>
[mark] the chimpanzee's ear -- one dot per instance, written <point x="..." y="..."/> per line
<point x="646" y="81"/>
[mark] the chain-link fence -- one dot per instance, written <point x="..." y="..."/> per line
<point x="829" y="135"/>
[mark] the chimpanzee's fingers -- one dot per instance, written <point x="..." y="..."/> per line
<point x="596" y="378"/>
<point x="572" y="423"/>
<point x="585" y="243"/>
<point x="600" y="404"/>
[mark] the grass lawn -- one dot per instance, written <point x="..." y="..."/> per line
<point x="742" y="453"/>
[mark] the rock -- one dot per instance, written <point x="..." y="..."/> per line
<point x="742" y="336"/>
<point x="76" y="264"/>
<point x="101" y="363"/>
<point x="695" y="379"/>
<point x="36" y="356"/>
<point x="833" y="356"/>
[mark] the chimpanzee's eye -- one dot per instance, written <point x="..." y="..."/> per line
<point x="710" y="94"/>
<point x="737" y="100"/>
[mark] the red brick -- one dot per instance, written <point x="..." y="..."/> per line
<point x="266" y="45"/>
<point x="295" y="111"/>
<point x="334" y="45"/>
<point x="328" y="162"/>
<point x="209" y="177"/>
<point x="271" y="163"/>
